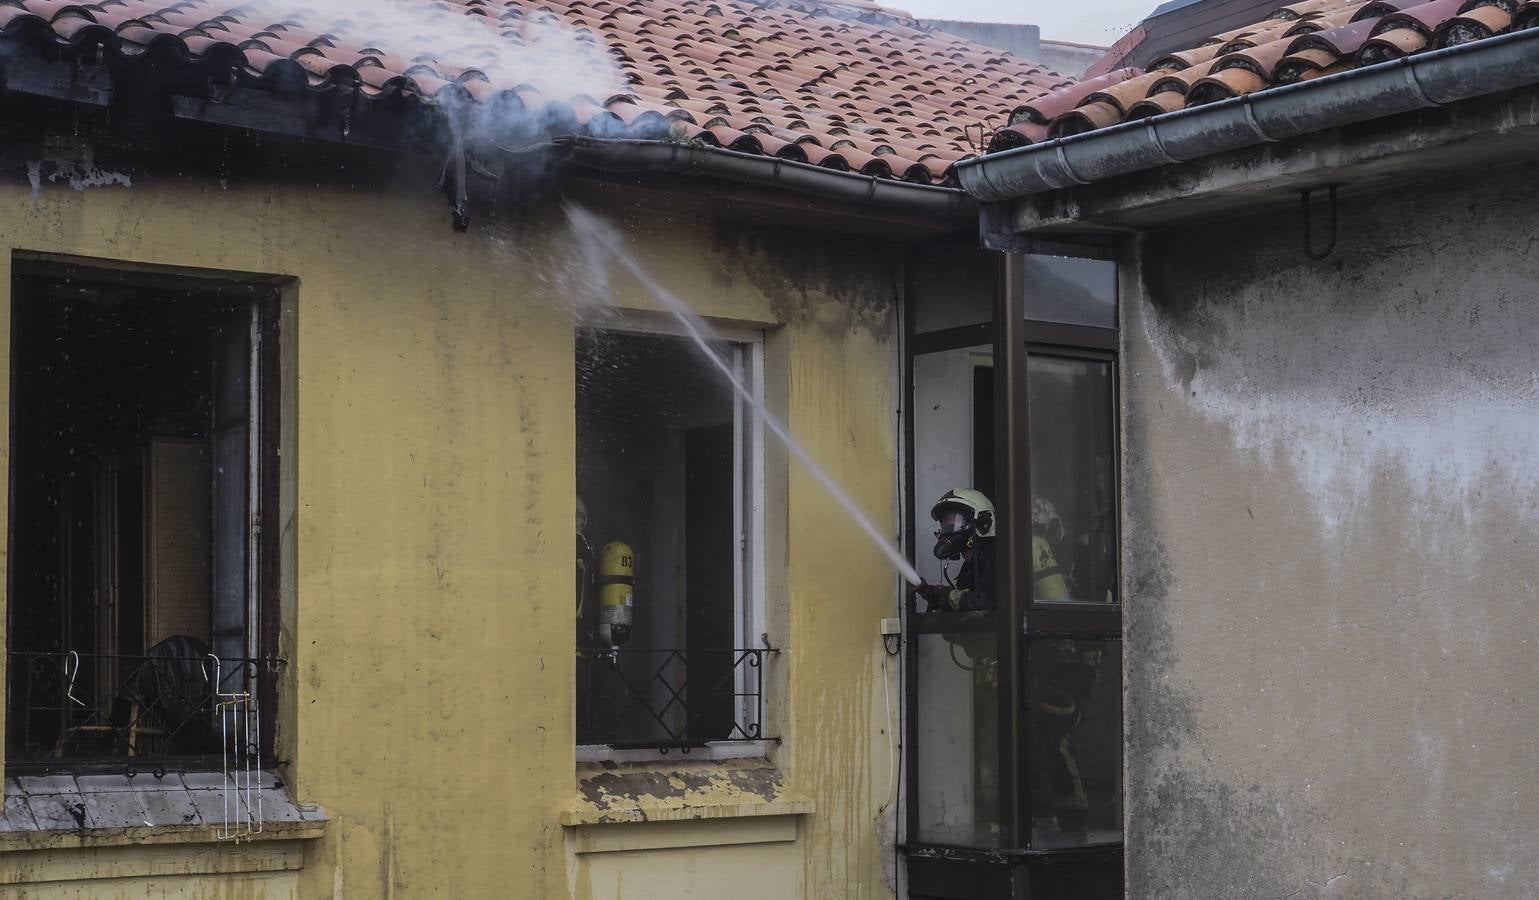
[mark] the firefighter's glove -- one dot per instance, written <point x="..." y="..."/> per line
<point x="938" y="597"/>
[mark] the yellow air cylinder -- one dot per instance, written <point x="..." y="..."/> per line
<point x="1048" y="584"/>
<point x="617" y="590"/>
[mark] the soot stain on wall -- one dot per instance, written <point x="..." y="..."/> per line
<point x="1185" y="824"/>
<point x="845" y="286"/>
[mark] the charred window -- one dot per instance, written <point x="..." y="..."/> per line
<point x="666" y="537"/>
<point x="143" y="453"/>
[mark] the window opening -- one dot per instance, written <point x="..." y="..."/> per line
<point x="668" y="623"/>
<point x="138" y="615"/>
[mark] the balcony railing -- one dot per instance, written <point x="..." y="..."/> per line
<point x="76" y="711"/>
<point x="670" y="699"/>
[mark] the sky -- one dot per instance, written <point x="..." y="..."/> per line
<point x="1082" y="21"/>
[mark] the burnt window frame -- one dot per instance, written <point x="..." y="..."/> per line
<point x="1019" y="619"/>
<point x="269" y="296"/>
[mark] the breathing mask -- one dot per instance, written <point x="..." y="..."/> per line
<point x="956" y="534"/>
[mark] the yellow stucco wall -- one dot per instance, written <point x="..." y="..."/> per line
<point x="431" y="640"/>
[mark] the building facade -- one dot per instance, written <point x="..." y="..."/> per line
<point x="1323" y="346"/>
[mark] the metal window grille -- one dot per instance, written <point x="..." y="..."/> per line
<point x="671" y="699"/>
<point x="105" y="712"/>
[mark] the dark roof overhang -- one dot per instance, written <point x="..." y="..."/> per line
<point x="403" y="124"/>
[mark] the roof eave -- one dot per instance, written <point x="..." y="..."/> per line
<point x="1416" y="82"/>
<point x="412" y="126"/>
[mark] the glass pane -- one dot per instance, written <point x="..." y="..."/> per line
<point x="1070" y="290"/>
<point x="952" y="290"/>
<point x="1073" y="480"/>
<point x="953" y="440"/>
<point x="1074" y="741"/>
<point x="958" y="747"/>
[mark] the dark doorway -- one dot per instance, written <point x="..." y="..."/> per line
<point x="710" y="568"/>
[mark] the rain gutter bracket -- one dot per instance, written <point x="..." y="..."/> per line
<point x="452" y="179"/>
<point x="1330" y="243"/>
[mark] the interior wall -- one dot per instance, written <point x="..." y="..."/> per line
<point x="1330" y="497"/>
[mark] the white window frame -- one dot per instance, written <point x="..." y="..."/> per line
<point x="748" y="500"/>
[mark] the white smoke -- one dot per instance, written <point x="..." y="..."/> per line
<point x="537" y="49"/>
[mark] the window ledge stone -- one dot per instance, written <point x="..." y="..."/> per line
<point x="65" y="811"/>
<point x="616" y="793"/>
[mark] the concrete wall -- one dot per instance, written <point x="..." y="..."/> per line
<point x="1330" y="517"/>
<point x="1069" y="59"/>
<point x="1024" y="41"/>
<point x="429" y="707"/>
<point x="1021" y="39"/>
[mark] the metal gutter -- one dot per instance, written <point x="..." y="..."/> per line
<point x="867" y="192"/>
<point x="1404" y="85"/>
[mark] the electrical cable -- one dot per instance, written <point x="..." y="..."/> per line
<point x="895" y="750"/>
<point x="892" y="780"/>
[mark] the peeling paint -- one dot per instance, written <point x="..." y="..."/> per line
<point x="634" y="787"/>
<point x="79" y="174"/>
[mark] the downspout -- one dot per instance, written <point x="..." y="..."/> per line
<point x="1410" y="83"/>
<point x="865" y="191"/>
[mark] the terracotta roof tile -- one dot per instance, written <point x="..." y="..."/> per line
<point x="846" y="84"/>
<point x="1303" y="41"/>
<point x="1186" y="58"/>
<point x="1476" y="25"/>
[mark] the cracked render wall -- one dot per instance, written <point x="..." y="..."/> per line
<point x="1330" y="507"/>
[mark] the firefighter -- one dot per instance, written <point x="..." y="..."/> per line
<point x="1049" y="582"/>
<point x="965" y="520"/>
<point x="966" y="531"/>
<point x="1061" y="681"/>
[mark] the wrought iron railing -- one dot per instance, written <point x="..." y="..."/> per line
<point x="72" y="710"/>
<point x="670" y="699"/>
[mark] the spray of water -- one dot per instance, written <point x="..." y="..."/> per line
<point x="594" y="232"/>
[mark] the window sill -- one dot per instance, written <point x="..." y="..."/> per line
<point x="64" y="812"/>
<point x="574" y="816"/>
<point x="714" y="751"/>
<point x="680" y="791"/>
<point x="11" y="841"/>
